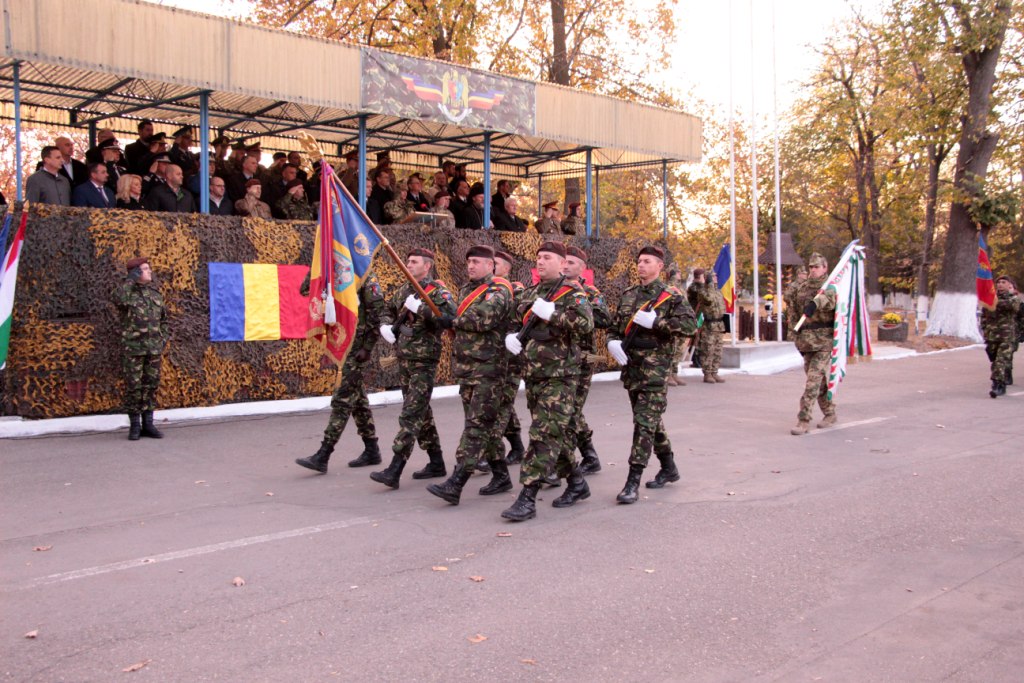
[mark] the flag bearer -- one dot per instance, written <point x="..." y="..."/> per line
<point x="814" y="342"/>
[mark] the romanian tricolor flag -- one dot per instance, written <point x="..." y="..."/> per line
<point x="343" y="251"/>
<point x="725" y="277"/>
<point x="256" y="302"/>
<point x="986" y="287"/>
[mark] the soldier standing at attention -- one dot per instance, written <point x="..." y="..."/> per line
<point x="548" y="223"/>
<point x="479" y="366"/>
<point x="649" y="317"/>
<point x="1000" y="329"/>
<point x="814" y="342"/>
<point x="418" y="348"/>
<point x="704" y="297"/>
<point x="143" y="335"/>
<point x="575" y="264"/>
<point x="551" y="366"/>
<point x="349" y="397"/>
<point x="513" y="430"/>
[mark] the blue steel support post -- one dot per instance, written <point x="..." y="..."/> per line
<point x="664" y="199"/>
<point x="362" y="161"/>
<point x="204" y="152"/>
<point x="17" y="133"/>
<point x="597" y="202"/>
<point x="487" y="180"/>
<point x="590" y="192"/>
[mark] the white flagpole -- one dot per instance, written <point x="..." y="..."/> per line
<point x="753" y="183"/>
<point x="778" y="197"/>
<point x="732" y="183"/>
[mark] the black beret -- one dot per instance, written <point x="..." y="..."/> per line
<point x="553" y="247"/>
<point x="480" y="251"/>
<point x="476" y="189"/>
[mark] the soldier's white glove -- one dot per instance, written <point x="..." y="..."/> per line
<point x="645" y="319"/>
<point x="413" y="303"/>
<point x="513" y="344"/>
<point x="615" y="348"/>
<point x="387" y="334"/>
<point x="543" y="309"/>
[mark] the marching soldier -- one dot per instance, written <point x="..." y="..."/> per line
<point x="418" y="348"/>
<point x="349" y="397"/>
<point x="1000" y="329"/>
<point x="479" y="365"/>
<point x="143" y="335"/>
<point x="558" y="315"/>
<point x="575" y="264"/>
<point x="704" y="297"/>
<point x="513" y="430"/>
<point x="814" y="342"/>
<point x="649" y="317"/>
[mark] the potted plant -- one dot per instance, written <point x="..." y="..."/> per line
<point x="892" y="328"/>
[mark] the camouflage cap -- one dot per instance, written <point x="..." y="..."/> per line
<point x="817" y="260"/>
<point x="134" y="263"/>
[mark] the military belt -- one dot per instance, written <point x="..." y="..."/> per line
<point x="817" y="326"/>
<point x="541" y="334"/>
<point x="644" y="344"/>
<point x="405" y="330"/>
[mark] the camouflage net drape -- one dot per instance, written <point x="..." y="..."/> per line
<point x="65" y="350"/>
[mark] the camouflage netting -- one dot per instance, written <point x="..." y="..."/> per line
<point x="64" y="356"/>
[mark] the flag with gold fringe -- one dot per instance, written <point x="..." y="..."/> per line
<point x="851" y="335"/>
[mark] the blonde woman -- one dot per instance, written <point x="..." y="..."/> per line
<point x="129" y="192"/>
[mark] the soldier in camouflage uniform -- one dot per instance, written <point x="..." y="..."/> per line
<point x="294" y="204"/>
<point x="349" y="397"/>
<point x="789" y="297"/>
<point x="1000" y="329"/>
<point x="561" y="318"/>
<point x="143" y="335"/>
<point x="507" y="414"/>
<point x="704" y="297"/>
<point x="649" y="317"/>
<point x="675" y="279"/>
<point x="575" y="264"/>
<point x="479" y="365"/>
<point x="400" y="209"/>
<point x="548" y="223"/>
<point x="418" y="348"/>
<point x="814" y="342"/>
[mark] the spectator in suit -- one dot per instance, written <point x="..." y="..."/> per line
<point x="295" y="159"/>
<point x="181" y="155"/>
<point x="506" y="219"/>
<point x="498" y="198"/>
<point x="220" y="205"/>
<point x="380" y="196"/>
<point x="460" y="175"/>
<point x="237" y="182"/>
<point x="94" y="193"/>
<point x="440" y="183"/>
<point x="460" y="204"/>
<point x="129" y="192"/>
<point x="170" y="195"/>
<point x="73" y="169"/>
<point x="275" y="190"/>
<point x="415" y="194"/>
<point x="93" y="154"/>
<point x="134" y="152"/>
<point x="47" y="185"/>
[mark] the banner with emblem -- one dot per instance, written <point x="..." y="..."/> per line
<point x="342" y="256"/>
<point x="437" y="91"/>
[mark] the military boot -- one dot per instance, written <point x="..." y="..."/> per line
<point x="516" y="453"/>
<point x="451" y="489"/>
<point x="369" y="456"/>
<point x="802" y="427"/>
<point x="500" y="481"/>
<point x="525" y="506"/>
<point x="827" y="421"/>
<point x="552" y="480"/>
<point x="1009" y="378"/>
<point x="998" y="389"/>
<point x="590" y="464"/>
<point x="435" y="468"/>
<point x="134" y="426"/>
<point x="483" y="467"/>
<point x="631" y="491"/>
<point x="148" y="428"/>
<point x="317" y="461"/>
<point x="390" y="475"/>
<point x="667" y="474"/>
<point x="709" y="379"/>
<point x="576" y="490"/>
<point x="718" y="380"/>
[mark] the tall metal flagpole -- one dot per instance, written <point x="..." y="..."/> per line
<point x="778" y="196"/>
<point x="732" y="183"/>
<point x="753" y="182"/>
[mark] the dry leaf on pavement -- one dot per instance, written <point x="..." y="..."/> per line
<point x="478" y="579"/>
<point x="136" y="666"/>
<point x="42" y="548"/>
<point x="529" y="661"/>
<point x="32" y="634"/>
<point x="504" y="534"/>
<point x="439" y="569"/>
<point x="478" y="638"/>
<point x="238" y="581"/>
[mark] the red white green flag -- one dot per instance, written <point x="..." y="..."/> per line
<point x="8" y="278"/>
<point x="850" y="332"/>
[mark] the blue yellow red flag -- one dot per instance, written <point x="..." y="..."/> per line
<point x="986" y="287"/>
<point x="725" y="277"/>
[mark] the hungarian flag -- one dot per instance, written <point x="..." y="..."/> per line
<point x="725" y="277"/>
<point x="986" y="287"/>
<point x="850" y="331"/>
<point x="8" y="279"/>
<point x="342" y="256"/>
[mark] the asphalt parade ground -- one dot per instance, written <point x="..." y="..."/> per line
<point x="888" y="548"/>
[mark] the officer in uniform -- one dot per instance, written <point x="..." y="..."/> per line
<point x="349" y="397"/>
<point x="704" y="297"/>
<point x="143" y="335"/>
<point x="575" y="264"/>
<point x="418" y="348"/>
<point x="513" y="430"/>
<point x="548" y="223"/>
<point x="479" y="366"/>
<point x="649" y="317"/>
<point x="1000" y="329"/>
<point x="558" y="315"/>
<point x="814" y="342"/>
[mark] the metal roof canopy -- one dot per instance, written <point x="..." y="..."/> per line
<point x="110" y="76"/>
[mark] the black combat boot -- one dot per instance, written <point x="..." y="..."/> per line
<point x="518" y="450"/>
<point x="631" y="491"/>
<point x="590" y="463"/>
<point x="317" y="461"/>
<point x="1009" y="378"/>
<point x="552" y="480"/>
<point x="576" y="490"/>
<point x="998" y="389"/>
<point x="483" y="467"/>
<point x="148" y="428"/>
<point x="134" y="426"/>
<point x="435" y="468"/>
<point x="667" y="474"/>
<point x="390" y="475"/>
<point x="451" y="489"/>
<point x="525" y="506"/>
<point x="369" y="456"/>
<point x="500" y="481"/>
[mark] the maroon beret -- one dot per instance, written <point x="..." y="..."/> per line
<point x="577" y="252"/>
<point x="1008" y="279"/>
<point x="441" y="192"/>
<point x="697" y="272"/>
<point x="574" y="205"/>
<point x="353" y="155"/>
<point x="421" y="252"/>
<point x="553" y="247"/>
<point x="480" y="251"/>
<point x="253" y="181"/>
<point x="295" y="182"/>
<point x="503" y="255"/>
<point x="651" y="250"/>
<point x="134" y="263"/>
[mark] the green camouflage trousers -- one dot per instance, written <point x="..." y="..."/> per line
<point x="141" y="380"/>
<point x="507" y="412"/>
<point x="550" y="429"/>
<point x="649" y="434"/>
<point x="416" y="421"/>
<point x="481" y="434"/>
<point x="582" y="431"/>
<point x="709" y="347"/>
<point x="350" y="399"/>
<point x="816" y="388"/>
<point x="1000" y="355"/>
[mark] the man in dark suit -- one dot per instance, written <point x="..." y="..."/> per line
<point x="74" y="170"/>
<point x="220" y="205"/>
<point x="181" y="155"/>
<point x="236" y="181"/>
<point x="170" y="195"/>
<point x="134" y="152"/>
<point x="94" y="193"/>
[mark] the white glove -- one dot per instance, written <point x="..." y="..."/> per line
<point x="645" y="319"/>
<point x="543" y="309"/>
<point x="413" y="303"/>
<point x="513" y="344"/>
<point x="387" y="334"/>
<point x="615" y="348"/>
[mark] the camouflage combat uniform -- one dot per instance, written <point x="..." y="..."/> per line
<point x="398" y="211"/>
<point x="143" y="335"/>
<point x="583" y="434"/>
<point x="707" y="299"/>
<point x="295" y="208"/>
<point x="512" y="429"/>
<point x="1000" y="330"/>
<point x="814" y="342"/>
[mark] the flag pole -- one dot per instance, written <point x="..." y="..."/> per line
<point x="732" y="188"/>
<point x="847" y="252"/>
